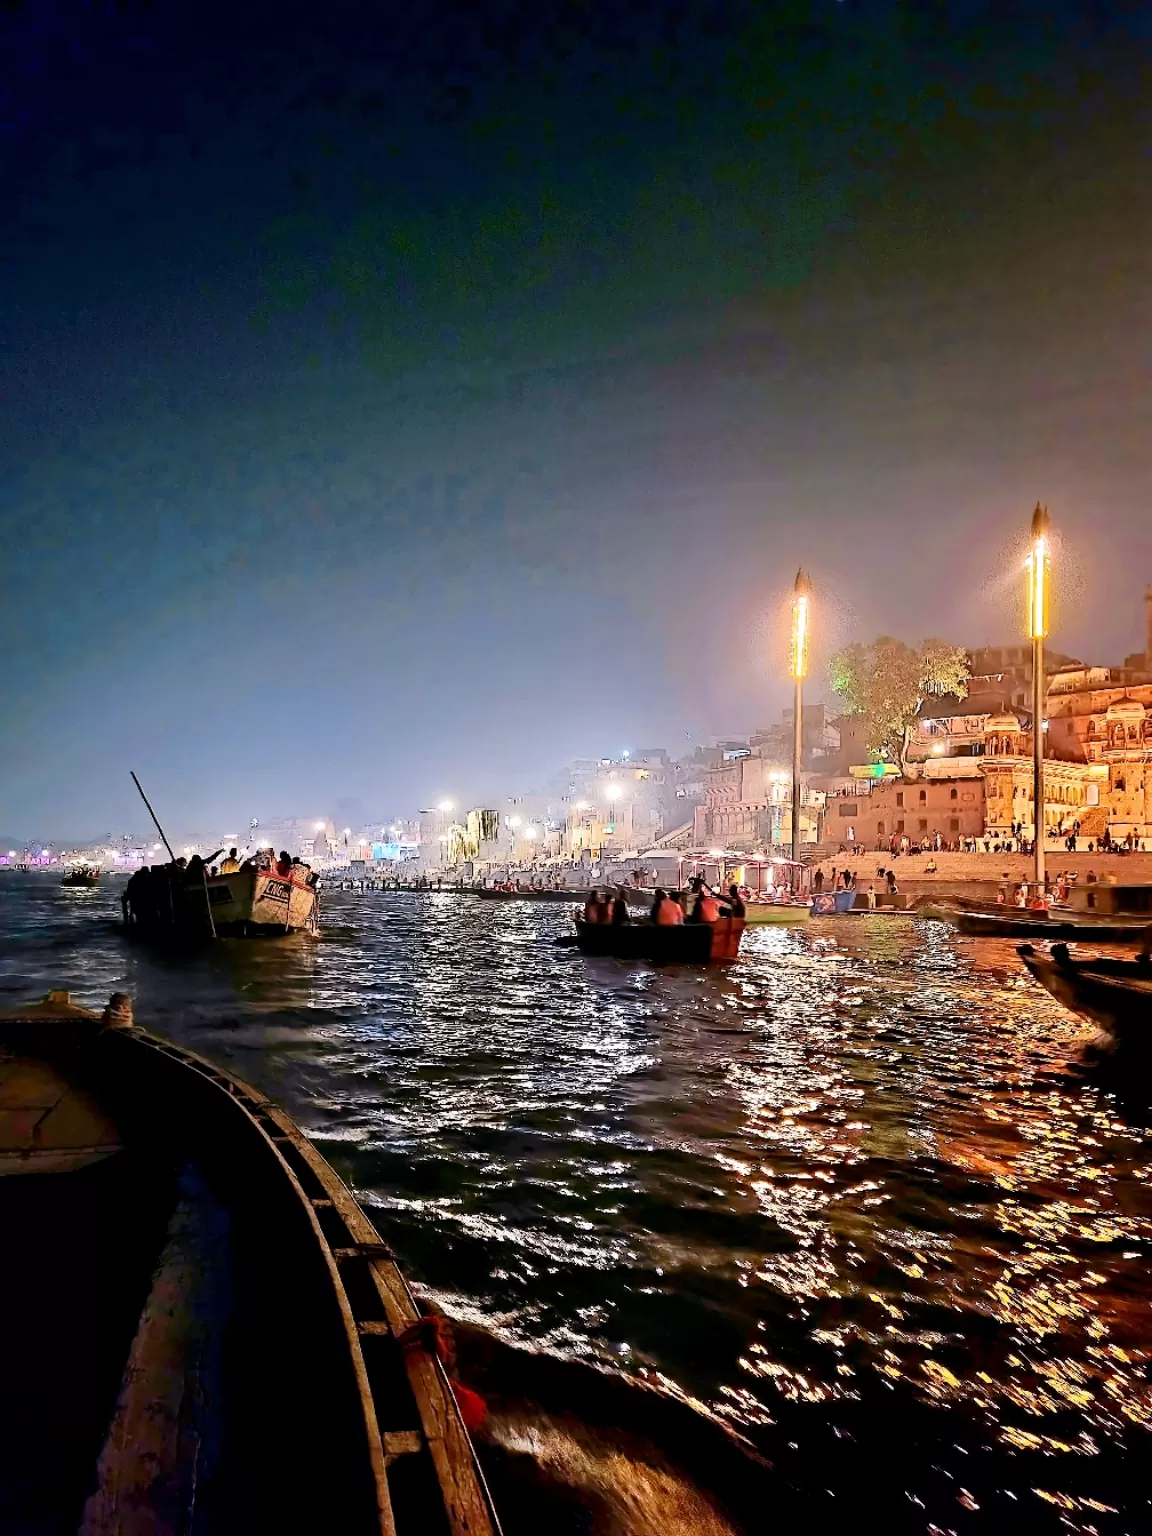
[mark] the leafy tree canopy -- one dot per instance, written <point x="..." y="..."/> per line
<point x="886" y="683"/>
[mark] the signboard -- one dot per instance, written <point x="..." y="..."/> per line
<point x="874" y="771"/>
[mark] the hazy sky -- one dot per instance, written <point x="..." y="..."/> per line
<point x="398" y="401"/>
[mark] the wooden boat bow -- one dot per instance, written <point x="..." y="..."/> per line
<point x="377" y="1311"/>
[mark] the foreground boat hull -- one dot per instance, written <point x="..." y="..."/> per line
<point x="248" y="1308"/>
<point x="1115" y="994"/>
<point x="676" y="944"/>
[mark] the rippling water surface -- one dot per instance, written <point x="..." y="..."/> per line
<point x="865" y="1194"/>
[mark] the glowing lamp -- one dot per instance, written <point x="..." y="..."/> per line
<point x="613" y="792"/>
<point x="445" y="805"/>
<point x="801" y="596"/>
<point x="1037" y="565"/>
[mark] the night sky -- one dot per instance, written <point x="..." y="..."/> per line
<point x="400" y="400"/>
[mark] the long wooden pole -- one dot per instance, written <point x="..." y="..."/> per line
<point x="1038" y="706"/>
<point x="152" y="813"/>
<point x="797" y="754"/>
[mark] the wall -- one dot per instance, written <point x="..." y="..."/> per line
<point x="918" y="808"/>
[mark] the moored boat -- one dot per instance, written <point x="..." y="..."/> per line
<point x="776" y="912"/>
<point x="1026" y="923"/>
<point x="1116" y="994"/>
<point x="167" y="901"/>
<point x="241" y="1351"/>
<point x="829" y="903"/>
<point x="672" y="944"/>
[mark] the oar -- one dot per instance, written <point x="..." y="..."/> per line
<point x="172" y="856"/>
<point x="152" y="813"/>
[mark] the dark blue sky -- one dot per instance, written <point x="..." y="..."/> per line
<point x="396" y="404"/>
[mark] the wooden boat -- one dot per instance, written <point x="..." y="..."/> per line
<point x="776" y="912"/>
<point x="1116" y="994"/>
<point x="85" y="875"/>
<point x="249" y="903"/>
<point x="202" y="1330"/>
<point x="675" y="944"/>
<point x="1023" y="923"/>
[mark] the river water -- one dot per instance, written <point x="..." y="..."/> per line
<point x="867" y="1195"/>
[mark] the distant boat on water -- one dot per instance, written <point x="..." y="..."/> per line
<point x="86" y="875"/>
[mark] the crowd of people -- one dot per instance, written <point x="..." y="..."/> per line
<point x="173" y="894"/>
<point x="1013" y="841"/>
<point x="699" y="904"/>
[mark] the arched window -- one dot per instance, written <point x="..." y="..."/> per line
<point x="879" y="829"/>
<point x="923" y="796"/>
<point x="953" y="794"/>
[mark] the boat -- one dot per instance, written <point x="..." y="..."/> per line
<point x="168" y="902"/>
<point x="202" y="1329"/>
<point x="775" y="911"/>
<point x="671" y="944"/>
<point x="1116" y="994"/>
<point x="1039" y="923"/>
<point x="85" y="875"/>
<point x="487" y="894"/>
<point x="832" y="903"/>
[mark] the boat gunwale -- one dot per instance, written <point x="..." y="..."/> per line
<point x="477" y="1521"/>
<point x="469" y="1510"/>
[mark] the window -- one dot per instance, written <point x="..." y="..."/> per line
<point x="900" y="800"/>
<point x="847" y="808"/>
<point x="953" y="823"/>
<point x="953" y="794"/>
<point x="923" y="823"/>
<point x="923" y="796"/>
<point x="900" y="825"/>
<point x="879" y="829"/>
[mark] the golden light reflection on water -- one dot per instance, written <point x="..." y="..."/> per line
<point x="863" y="1170"/>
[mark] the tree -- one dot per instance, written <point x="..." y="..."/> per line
<point x="887" y="682"/>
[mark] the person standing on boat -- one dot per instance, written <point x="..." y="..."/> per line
<point x="666" y="912"/>
<point x="231" y="864"/>
<point x="735" y="903"/>
<point x="618" y="908"/>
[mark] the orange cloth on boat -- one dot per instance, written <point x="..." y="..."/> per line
<point x="668" y="913"/>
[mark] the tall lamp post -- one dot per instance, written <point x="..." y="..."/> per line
<point x="1037" y="564"/>
<point x="801" y="593"/>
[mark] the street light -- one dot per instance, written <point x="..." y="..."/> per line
<point x="801" y="594"/>
<point x="613" y="792"/>
<point x="1038" y="571"/>
<point x="445" y="805"/>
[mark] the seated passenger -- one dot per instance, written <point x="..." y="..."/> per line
<point x="619" y="908"/>
<point x="706" y="909"/>
<point x="665" y="911"/>
<point x="735" y="902"/>
<point x="284" y="864"/>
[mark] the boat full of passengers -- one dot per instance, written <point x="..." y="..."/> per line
<point x="262" y="897"/>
